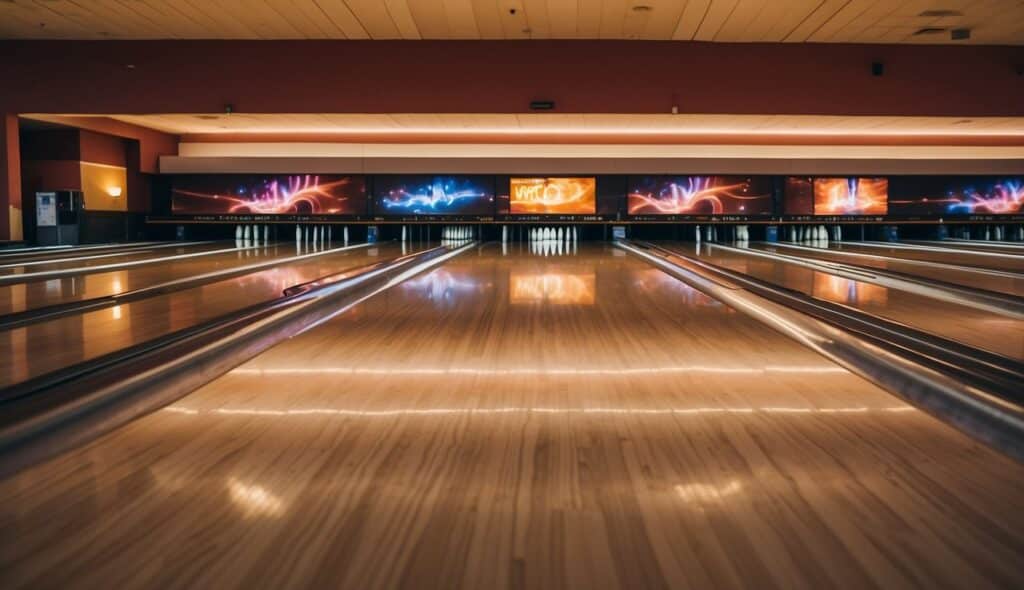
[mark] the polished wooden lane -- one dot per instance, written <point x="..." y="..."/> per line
<point x="964" y="256"/>
<point x="965" y="275"/>
<point x="976" y="328"/>
<point x="43" y="347"/>
<point x="993" y="246"/>
<point x="104" y="258"/>
<point x="32" y="295"/>
<point x="525" y="422"/>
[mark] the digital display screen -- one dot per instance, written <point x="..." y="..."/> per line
<point x="956" y="195"/>
<point x="433" y="195"/>
<point x="328" y="194"/>
<point x="798" y="196"/>
<point x="851" y="196"/>
<point x="542" y="196"/>
<point x="700" y="195"/>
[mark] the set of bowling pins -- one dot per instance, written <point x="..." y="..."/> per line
<point x="997" y="233"/>
<point x="316" y="236"/>
<point x="568" y="235"/>
<point x="250" y="235"/>
<point x="452" y="233"/>
<point x="814" y="234"/>
<point x="737" y="233"/>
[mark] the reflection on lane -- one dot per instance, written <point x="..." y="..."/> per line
<point x="980" y="329"/>
<point x="594" y="440"/>
<point x="842" y="290"/>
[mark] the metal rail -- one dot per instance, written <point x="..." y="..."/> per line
<point x="56" y="412"/>
<point x="994" y="418"/>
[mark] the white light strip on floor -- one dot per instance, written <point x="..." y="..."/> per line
<point x="556" y="371"/>
<point x="538" y="410"/>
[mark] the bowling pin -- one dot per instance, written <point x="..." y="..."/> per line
<point x="298" y="234"/>
<point x="344" y="233"/>
<point x="504" y="234"/>
<point x="403" y="234"/>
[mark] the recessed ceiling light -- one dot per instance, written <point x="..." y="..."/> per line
<point x="940" y="12"/>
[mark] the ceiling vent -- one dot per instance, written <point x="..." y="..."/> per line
<point x="939" y="13"/>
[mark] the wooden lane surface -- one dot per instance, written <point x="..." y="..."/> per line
<point x="965" y="276"/>
<point x="525" y="422"/>
<point x="42" y="347"/>
<point x="993" y="246"/>
<point x="964" y="256"/>
<point x="23" y="296"/>
<point x="972" y="327"/>
<point x="102" y="258"/>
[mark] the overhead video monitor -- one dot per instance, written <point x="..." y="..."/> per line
<point x="433" y="195"/>
<point x="956" y="195"/>
<point x="553" y="196"/>
<point x="798" y="196"/>
<point x="851" y="196"/>
<point x="700" y="195"/>
<point x="283" y="194"/>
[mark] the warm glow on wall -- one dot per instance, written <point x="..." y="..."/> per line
<point x="103" y="186"/>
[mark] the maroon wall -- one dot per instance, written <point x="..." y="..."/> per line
<point x="503" y="76"/>
<point x="100" y="148"/>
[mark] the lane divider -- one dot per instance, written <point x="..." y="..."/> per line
<point x="84" y="270"/>
<point x="50" y="415"/>
<point x="76" y="258"/>
<point x="996" y="421"/>
<point x="126" y="247"/>
<point x="49" y="312"/>
<point x="987" y="301"/>
<point x="896" y="246"/>
<point x="1008" y="274"/>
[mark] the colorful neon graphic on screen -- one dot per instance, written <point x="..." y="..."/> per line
<point x="1001" y="198"/>
<point x="272" y="195"/>
<point x="699" y="195"/>
<point x="436" y="195"/>
<point x="851" y="196"/>
<point x="569" y="196"/>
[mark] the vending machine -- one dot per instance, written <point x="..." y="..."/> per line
<point x="59" y="215"/>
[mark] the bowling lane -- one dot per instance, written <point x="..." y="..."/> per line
<point x="991" y="280"/>
<point x="521" y="421"/>
<point x="974" y="246"/>
<point x="954" y="255"/>
<point x="108" y="258"/>
<point x="976" y="328"/>
<point x="42" y="347"/>
<point x="23" y="296"/>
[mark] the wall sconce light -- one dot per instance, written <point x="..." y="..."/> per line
<point x="114" y="191"/>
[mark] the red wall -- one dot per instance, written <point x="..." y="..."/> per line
<point x="100" y="148"/>
<point x="503" y="76"/>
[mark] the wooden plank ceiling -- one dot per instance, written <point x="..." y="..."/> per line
<point x="828" y="21"/>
